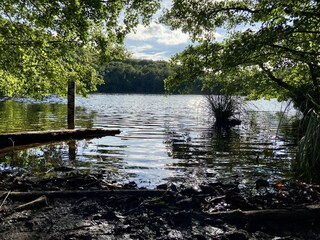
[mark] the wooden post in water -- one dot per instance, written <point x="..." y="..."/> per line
<point x="71" y="104"/>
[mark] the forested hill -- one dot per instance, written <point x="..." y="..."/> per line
<point x="134" y="76"/>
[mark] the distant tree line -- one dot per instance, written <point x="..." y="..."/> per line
<point x="135" y="76"/>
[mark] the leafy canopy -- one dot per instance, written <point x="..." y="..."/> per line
<point x="46" y="43"/>
<point x="271" y="48"/>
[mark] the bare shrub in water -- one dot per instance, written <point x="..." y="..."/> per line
<point x="308" y="155"/>
<point x="224" y="109"/>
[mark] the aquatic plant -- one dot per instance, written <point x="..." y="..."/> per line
<point x="307" y="162"/>
<point x="224" y="109"/>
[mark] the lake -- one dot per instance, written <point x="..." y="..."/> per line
<point x="163" y="139"/>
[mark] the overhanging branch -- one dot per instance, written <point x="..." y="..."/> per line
<point x="286" y="49"/>
<point x="278" y="81"/>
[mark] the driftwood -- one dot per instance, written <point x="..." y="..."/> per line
<point x="12" y="140"/>
<point x="268" y="218"/>
<point x="22" y="196"/>
<point x="271" y="217"/>
<point x="38" y="203"/>
<point x="298" y="214"/>
<point x="4" y="200"/>
<point x="271" y="214"/>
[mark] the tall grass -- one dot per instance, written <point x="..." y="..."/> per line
<point x="308" y="156"/>
<point x="224" y="109"/>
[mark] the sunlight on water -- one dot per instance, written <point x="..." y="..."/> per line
<point x="162" y="139"/>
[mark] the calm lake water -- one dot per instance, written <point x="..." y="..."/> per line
<point x="163" y="139"/>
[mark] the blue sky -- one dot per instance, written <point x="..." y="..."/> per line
<point x="156" y="41"/>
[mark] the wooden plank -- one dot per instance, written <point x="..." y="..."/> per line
<point x="34" y="137"/>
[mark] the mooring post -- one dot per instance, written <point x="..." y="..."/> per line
<point x="71" y="104"/>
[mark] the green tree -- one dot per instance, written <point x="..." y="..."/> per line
<point x="271" y="48"/>
<point x="134" y="76"/>
<point x="46" y="43"/>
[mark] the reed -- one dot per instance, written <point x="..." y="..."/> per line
<point x="224" y="109"/>
<point x="307" y="162"/>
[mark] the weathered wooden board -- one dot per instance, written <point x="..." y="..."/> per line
<point x="34" y="137"/>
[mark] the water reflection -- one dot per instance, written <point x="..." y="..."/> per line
<point x="33" y="161"/>
<point x="33" y="115"/>
<point x="72" y="150"/>
<point x="162" y="139"/>
<point x="258" y="148"/>
<point x="82" y="156"/>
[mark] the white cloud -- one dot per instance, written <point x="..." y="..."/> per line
<point x="146" y="51"/>
<point x="157" y="41"/>
<point x="150" y="56"/>
<point x="175" y="37"/>
<point x="166" y="4"/>
<point x="160" y="34"/>
<point x="141" y="48"/>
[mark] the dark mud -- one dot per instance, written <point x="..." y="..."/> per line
<point x="211" y="211"/>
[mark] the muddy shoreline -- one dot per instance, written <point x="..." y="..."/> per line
<point x="213" y="210"/>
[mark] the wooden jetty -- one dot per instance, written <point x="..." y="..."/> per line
<point x="37" y="137"/>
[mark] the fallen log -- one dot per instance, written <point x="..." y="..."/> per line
<point x="292" y="214"/>
<point x="12" y="140"/>
<point x="22" y="196"/>
<point x="272" y="220"/>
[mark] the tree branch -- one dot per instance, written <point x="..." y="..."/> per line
<point x="28" y="42"/>
<point x="277" y="80"/>
<point x="292" y="50"/>
<point x="306" y="31"/>
<point x="238" y="9"/>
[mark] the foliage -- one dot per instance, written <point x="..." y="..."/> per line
<point x="308" y="157"/>
<point x="45" y="43"/>
<point x="134" y="76"/>
<point x="224" y="109"/>
<point x="271" y="48"/>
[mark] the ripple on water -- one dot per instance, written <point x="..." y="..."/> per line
<point x="162" y="139"/>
